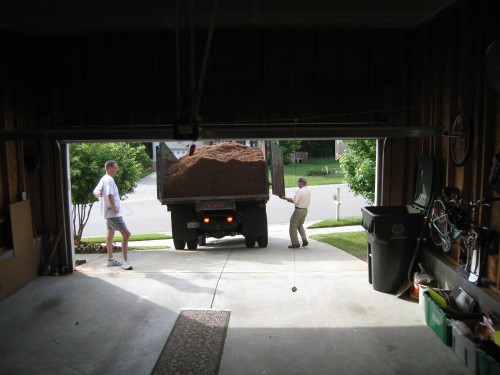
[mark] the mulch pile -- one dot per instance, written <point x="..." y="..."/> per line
<point x="224" y="169"/>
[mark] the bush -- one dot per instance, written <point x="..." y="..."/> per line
<point x="88" y="248"/>
<point x="317" y="172"/>
<point x="84" y="247"/>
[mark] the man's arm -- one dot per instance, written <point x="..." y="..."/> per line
<point x="112" y="203"/>
<point x="98" y="190"/>
<point x="287" y="199"/>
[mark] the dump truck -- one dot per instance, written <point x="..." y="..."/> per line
<point x="219" y="190"/>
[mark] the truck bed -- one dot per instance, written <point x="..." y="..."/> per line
<point x="255" y="197"/>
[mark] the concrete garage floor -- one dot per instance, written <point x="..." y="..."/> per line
<point x="102" y="320"/>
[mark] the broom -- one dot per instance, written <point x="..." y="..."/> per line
<point x="407" y="284"/>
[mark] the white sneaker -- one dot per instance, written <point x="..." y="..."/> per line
<point x="114" y="262"/>
<point x="126" y="265"/>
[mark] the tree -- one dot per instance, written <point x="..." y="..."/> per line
<point x="87" y="167"/>
<point x="288" y="148"/>
<point x="318" y="149"/>
<point x="358" y="164"/>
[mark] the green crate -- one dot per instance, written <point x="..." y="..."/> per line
<point x="487" y="364"/>
<point x="437" y="319"/>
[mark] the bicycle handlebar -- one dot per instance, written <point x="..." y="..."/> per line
<point x="483" y="202"/>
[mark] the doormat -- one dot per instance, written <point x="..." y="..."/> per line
<point x="195" y="344"/>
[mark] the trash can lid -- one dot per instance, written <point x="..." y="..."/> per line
<point x="423" y="183"/>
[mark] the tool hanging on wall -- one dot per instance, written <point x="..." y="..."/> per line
<point x="47" y="266"/>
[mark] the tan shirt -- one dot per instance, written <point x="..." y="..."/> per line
<point x="302" y="198"/>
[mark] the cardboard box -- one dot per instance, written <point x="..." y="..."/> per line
<point x="18" y="270"/>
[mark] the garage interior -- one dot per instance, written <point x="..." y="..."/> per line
<point x="395" y="71"/>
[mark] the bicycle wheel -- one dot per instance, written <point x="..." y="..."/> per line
<point x="437" y="223"/>
<point x="460" y="139"/>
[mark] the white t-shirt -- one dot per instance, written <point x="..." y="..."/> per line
<point x="302" y="198"/>
<point x="108" y="186"/>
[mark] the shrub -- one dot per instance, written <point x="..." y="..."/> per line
<point x="317" y="172"/>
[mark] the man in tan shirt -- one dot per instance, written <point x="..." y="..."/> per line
<point x="301" y="200"/>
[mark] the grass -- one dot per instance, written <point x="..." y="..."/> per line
<point x="134" y="237"/>
<point x="353" y="243"/>
<point x="294" y="171"/>
<point x="332" y="223"/>
<point x="89" y="241"/>
<point x="158" y="247"/>
<point x="146" y="172"/>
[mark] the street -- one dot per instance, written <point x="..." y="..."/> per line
<point x="143" y="213"/>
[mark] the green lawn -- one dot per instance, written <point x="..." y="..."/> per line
<point x="133" y="237"/>
<point x="294" y="171"/>
<point x="93" y="244"/>
<point x="353" y="243"/>
<point x="147" y="172"/>
<point x="332" y="223"/>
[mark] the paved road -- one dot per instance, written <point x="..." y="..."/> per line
<point x="143" y="212"/>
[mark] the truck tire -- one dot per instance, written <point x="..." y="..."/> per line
<point x="202" y="240"/>
<point x="179" y="244"/>
<point x="192" y="244"/>
<point x="250" y="241"/>
<point x="262" y="241"/>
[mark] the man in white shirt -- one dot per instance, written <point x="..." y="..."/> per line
<point x="109" y="200"/>
<point x="301" y="200"/>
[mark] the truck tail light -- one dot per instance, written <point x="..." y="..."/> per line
<point x="230" y="219"/>
<point x="206" y="220"/>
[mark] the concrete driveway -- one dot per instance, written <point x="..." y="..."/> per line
<point x="102" y="320"/>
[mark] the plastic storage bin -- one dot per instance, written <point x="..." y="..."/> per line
<point x="487" y="364"/>
<point x="392" y="232"/>
<point x="465" y="349"/>
<point x="437" y="319"/>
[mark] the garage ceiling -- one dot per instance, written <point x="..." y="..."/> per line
<point x="37" y="17"/>
<point x="70" y="17"/>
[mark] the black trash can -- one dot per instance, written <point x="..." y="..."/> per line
<point x="392" y="232"/>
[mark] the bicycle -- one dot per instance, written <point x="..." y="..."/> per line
<point x="460" y="138"/>
<point x="475" y="242"/>
<point x="442" y="232"/>
<point x="449" y="222"/>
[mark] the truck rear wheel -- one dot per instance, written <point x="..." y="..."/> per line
<point x="202" y="241"/>
<point x="192" y="244"/>
<point x="262" y="241"/>
<point x="250" y="241"/>
<point x="179" y="244"/>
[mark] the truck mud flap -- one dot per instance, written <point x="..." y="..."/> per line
<point x="182" y="216"/>
<point x="253" y="219"/>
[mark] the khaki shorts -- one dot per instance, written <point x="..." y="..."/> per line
<point x="116" y="223"/>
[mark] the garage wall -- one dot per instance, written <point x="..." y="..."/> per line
<point x="107" y="80"/>
<point x="29" y="165"/>
<point x="447" y="75"/>
<point x="119" y="79"/>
